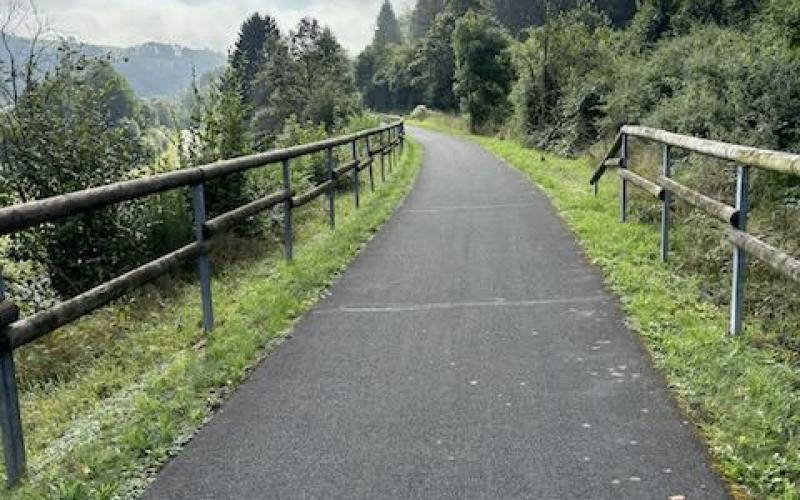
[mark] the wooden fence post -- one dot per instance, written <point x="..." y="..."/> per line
<point x="203" y="260"/>
<point x="287" y="212"/>
<point x="739" y="254"/>
<point x="332" y="190"/>
<point x="666" y="170"/>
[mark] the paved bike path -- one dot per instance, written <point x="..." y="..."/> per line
<point x="469" y="352"/>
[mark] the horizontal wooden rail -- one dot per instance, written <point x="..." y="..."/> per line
<point x="646" y="185"/>
<point x="773" y="257"/>
<point x="36" y="212"/>
<point x="601" y="170"/>
<point x="9" y="313"/>
<point x="777" y="161"/>
<point x="721" y="211"/>
<point x="312" y="194"/>
<point x="31" y="328"/>
<point x="347" y="167"/>
<point x="231" y="219"/>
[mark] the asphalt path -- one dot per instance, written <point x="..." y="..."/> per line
<point x="470" y="351"/>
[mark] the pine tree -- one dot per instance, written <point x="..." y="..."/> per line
<point x="248" y="54"/>
<point x="387" y="29"/>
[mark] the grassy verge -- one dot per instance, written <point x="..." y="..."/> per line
<point x="121" y="406"/>
<point x="744" y="397"/>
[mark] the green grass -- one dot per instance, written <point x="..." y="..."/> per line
<point x="743" y="396"/>
<point x="102" y="415"/>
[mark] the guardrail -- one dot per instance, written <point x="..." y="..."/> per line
<point x="665" y="188"/>
<point x="16" y="332"/>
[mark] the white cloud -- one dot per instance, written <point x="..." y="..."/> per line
<point x="204" y="23"/>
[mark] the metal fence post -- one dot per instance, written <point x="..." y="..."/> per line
<point x="666" y="169"/>
<point x="368" y="157"/>
<point x="203" y="261"/>
<point x="392" y="159"/>
<point x="739" y="255"/>
<point x="383" y="164"/>
<point x="402" y="132"/>
<point x="287" y="211"/>
<point x="623" y="184"/>
<point x="10" y="421"/>
<point x="356" y="180"/>
<point x="332" y="190"/>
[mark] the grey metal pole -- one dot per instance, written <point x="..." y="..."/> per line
<point x="392" y="160"/>
<point x="10" y="421"/>
<point x="287" y="212"/>
<point x="368" y="157"/>
<point x="332" y="190"/>
<point x="356" y="180"/>
<point x="739" y="255"/>
<point x="203" y="261"/>
<point x="402" y="139"/>
<point x="383" y="163"/>
<point x="666" y="169"/>
<point x="623" y="184"/>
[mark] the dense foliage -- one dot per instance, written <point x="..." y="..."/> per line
<point x="422" y="69"/>
<point x="80" y="125"/>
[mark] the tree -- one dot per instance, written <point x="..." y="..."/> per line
<point x="484" y="73"/>
<point x="20" y="18"/>
<point x="256" y="33"/>
<point x="435" y="63"/>
<point x="387" y="30"/>
<point x="425" y="11"/>
<point x="326" y="83"/>
<point x="120" y="100"/>
<point x="219" y="131"/>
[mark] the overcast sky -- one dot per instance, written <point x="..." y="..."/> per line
<point x="204" y="23"/>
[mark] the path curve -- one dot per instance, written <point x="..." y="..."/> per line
<point x="469" y="352"/>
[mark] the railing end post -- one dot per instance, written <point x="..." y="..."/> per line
<point x="10" y="421"/>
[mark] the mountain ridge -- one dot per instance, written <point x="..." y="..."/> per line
<point x="154" y="69"/>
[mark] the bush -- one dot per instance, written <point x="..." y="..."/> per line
<point x="70" y="115"/>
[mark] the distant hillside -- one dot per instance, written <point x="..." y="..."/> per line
<point x="153" y="69"/>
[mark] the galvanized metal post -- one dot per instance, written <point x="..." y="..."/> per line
<point x="356" y="180"/>
<point x="623" y="184"/>
<point x="287" y="211"/>
<point x="739" y="255"/>
<point x="402" y="132"/>
<point x="383" y="164"/>
<point x="666" y="169"/>
<point x="368" y="156"/>
<point x="392" y="148"/>
<point x="10" y="421"/>
<point x="203" y="261"/>
<point x="332" y="190"/>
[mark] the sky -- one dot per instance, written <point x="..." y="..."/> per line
<point x="205" y="24"/>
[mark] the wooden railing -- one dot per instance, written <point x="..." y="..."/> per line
<point x="16" y="332"/>
<point x="735" y="217"/>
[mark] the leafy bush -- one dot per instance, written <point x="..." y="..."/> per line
<point x="561" y="83"/>
<point x="59" y="138"/>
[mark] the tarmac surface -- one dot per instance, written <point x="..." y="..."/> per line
<point x="470" y="351"/>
